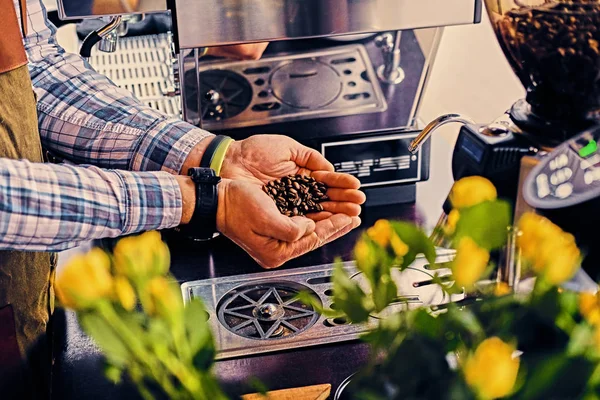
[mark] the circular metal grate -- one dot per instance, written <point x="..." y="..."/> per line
<point x="266" y="311"/>
<point x="224" y="94"/>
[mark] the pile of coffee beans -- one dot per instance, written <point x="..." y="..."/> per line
<point x="297" y="194"/>
<point x="555" y="50"/>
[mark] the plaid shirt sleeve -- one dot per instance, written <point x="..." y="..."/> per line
<point x="48" y="207"/>
<point x="86" y="119"/>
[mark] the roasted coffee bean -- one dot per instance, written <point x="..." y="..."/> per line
<point x="297" y="194"/>
<point x="554" y="49"/>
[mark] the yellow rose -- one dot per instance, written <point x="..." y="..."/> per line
<point x="400" y="248"/>
<point x="492" y="370"/>
<point x="563" y="265"/>
<point x="365" y="256"/>
<point x="472" y="190"/>
<point x="381" y="232"/>
<point x="165" y="297"/>
<point x="125" y="293"/>
<point x="142" y="257"/>
<point x="453" y="218"/>
<point x="470" y="263"/>
<point x="502" y="289"/>
<point x="85" y="280"/>
<point x="551" y="252"/>
<point x="589" y="306"/>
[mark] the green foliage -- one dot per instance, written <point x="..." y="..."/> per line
<point x="421" y="353"/>
<point x="486" y="223"/>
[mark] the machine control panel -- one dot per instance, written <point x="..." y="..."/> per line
<point x="567" y="176"/>
<point x="377" y="161"/>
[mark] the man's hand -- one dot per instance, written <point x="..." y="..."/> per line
<point x="250" y="218"/>
<point x="262" y="158"/>
<point x="252" y="51"/>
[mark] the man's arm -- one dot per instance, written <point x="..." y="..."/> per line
<point x="86" y="119"/>
<point x="55" y="207"/>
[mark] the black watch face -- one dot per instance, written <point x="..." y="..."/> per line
<point x="205" y="175"/>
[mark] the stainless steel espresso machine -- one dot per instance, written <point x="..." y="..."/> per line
<point x="345" y="77"/>
<point x="359" y="68"/>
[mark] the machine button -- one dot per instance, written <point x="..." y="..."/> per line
<point x="559" y="162"/>
<point x="560" y="176"/>
<point x="564" y="190"/>
<point x="543" y="189"/>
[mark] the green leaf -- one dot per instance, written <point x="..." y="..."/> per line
<point x="486" y="223"/>
<point x="349" y="297"/>
<point x="582" y="337"/>
<point x="416" y="240"/>
<point x="106" y="338"/>
<point x="259" y="386"/>
<point x="199" y="335"/>
<point x="384" y="293"/>
<point x="309" y="299"/>
<point x="113" y="373"/>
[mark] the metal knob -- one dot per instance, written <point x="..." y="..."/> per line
<point x="390" y="72"/>
<point x="416" y="144"/>
<point x="108" y="44"/>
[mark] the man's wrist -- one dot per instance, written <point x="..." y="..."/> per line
<point x="193" y="159"/>
<point x="188" y="198"/>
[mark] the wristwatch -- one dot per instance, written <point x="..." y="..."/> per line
<point x="203" y="225"/>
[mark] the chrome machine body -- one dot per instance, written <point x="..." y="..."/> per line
<point x="358" y="103"/>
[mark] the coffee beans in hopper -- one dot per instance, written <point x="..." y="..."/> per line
<point x="297" y="194"/>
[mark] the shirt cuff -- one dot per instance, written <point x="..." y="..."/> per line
<point x="153" y="201"/>
<point x="166" y="146"/>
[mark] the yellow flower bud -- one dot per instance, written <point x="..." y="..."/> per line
<point x="492" y="370"/>
<point x="364" y="254"/>
<point x="472" y="190"/>
<point x="453" y="218"/>
<point x="165" y="297"/>
<point x="84" y="280"/>
<point x="551" y="252"/>
<point x="142" y="257"/>
<point x="589" y="306"/>
<point x="125" y="293"/>
<point x="381" y="232"/>
<point x="400" y="248"/>
<point x="502" y="289"/>
<point x="470" y="263"/>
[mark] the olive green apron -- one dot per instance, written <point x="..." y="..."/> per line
<point x="25" y="290"/>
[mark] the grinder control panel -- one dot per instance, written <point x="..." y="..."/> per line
<point x="567" y="176"/>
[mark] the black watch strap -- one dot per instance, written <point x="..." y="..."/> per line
<point x="203" y="225"/>
<point x="209" y="153"/>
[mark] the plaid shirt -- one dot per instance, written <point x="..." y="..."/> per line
<point x="86" y="119"/>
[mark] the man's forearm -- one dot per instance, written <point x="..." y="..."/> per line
<point x="55" y="207"/>
<point x="86" y="119"/>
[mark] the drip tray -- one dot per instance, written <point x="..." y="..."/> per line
<point x="328" y="83"/>
<point x="258" y="313"/>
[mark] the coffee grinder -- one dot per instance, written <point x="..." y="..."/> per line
<point x="554" y="48"/>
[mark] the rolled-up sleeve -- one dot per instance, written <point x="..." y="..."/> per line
<point x="48" y="207"/>
<point x="86" y="119"/>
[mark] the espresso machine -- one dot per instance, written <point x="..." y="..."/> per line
<point x="542" y="153"/>
<point x="344" y="77"/>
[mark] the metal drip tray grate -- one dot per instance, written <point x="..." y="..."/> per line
<point x="142" y="65"/>
<point x="287" y="87"/>
<point x="266" y="311"/>
<point x="258" y="313"/>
